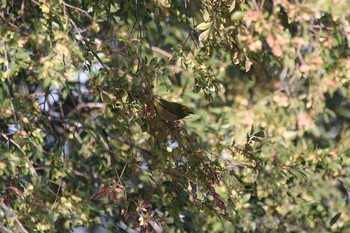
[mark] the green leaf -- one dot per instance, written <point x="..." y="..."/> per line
<point x="260" y="134"/>
<point x="246" y="198"/>
<point x="238" y="15"/>
<point x="153" y="62"/>
<point x="251" y="131"/>
<point x="335" y="219"/>
<point x="22" y="55"/>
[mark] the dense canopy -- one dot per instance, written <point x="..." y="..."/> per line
<point x="82" y="147"/>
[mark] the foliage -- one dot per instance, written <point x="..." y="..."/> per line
<point x="81" y="143"/>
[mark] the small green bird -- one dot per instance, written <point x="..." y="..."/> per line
<point x="171" y="111"/>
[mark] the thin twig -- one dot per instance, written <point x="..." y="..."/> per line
<point x="23" y="152"/>
<point x="81" y="106"/>
<point x="76" y="8"/>
<point x="5" y="229"/>
<point x="255" y="4"/>
<point x="11" y="24"/>
<point x="162" y="52"/>
<point x="14" y="217"/>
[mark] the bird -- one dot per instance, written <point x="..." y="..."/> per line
<point x="170" y="111"/>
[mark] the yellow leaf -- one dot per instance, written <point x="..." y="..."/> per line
<point x="204" y="35"/>
<point x="204" y="26"/>
<point x="233" y="5"/>
<point x="248" y="64"/>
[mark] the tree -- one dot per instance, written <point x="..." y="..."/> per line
<point x="81" y="143"/>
